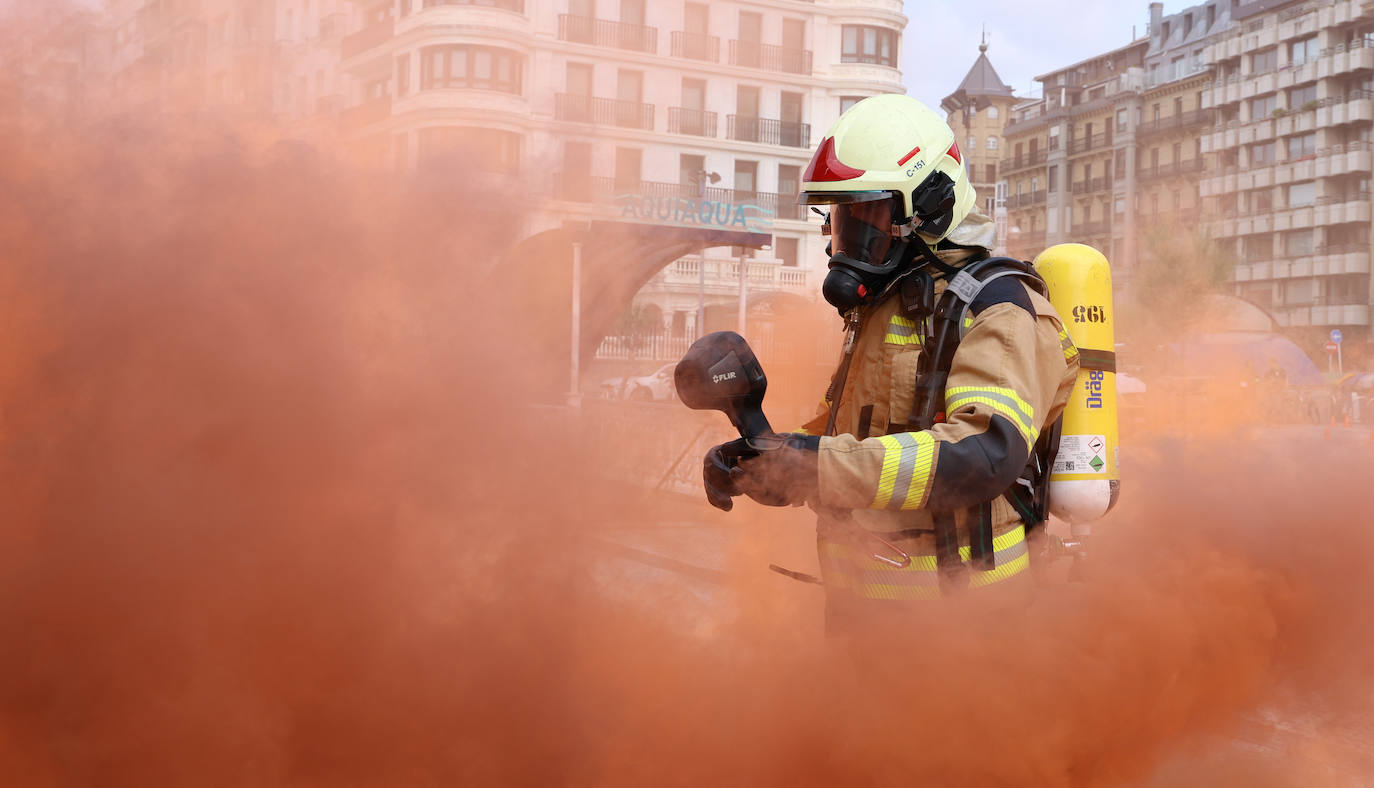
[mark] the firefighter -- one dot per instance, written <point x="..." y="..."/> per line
<point x="902" y="224"/>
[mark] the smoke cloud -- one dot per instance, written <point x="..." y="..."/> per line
<point x="276" y="513"/>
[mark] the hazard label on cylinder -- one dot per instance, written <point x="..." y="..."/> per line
<point x="1081" y="454"/>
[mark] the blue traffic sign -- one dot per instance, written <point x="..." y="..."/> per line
<point x="1336" y="335"/>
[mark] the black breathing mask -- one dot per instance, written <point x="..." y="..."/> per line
<point x="868" y="245"/>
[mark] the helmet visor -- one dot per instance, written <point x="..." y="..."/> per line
<point x="862" y="230"/>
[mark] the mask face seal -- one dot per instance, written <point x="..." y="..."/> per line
<point x="862" y="246"/>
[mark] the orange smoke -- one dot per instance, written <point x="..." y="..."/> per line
<point x="274" y="513"/>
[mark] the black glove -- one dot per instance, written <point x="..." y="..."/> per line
<point x="781" y="471"/>
<point x="715" y="472"/>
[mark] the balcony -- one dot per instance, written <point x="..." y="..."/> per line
<point x="1084" y="144"/>
<point x="1185" y="167"/>
<point x="1024" y="161"/>
<point x="1187" y="120"/>
<point x="577" y="108"/>
<point x="767" y="131"/>
<point x="366" y="39"/>
<point x="1093" y="228"/>
<point x="696" y="122"/>
<point x="606" y="33"/>
<point x="722" y="274"/>
<point x="769" y="57"/>
<point x="695" y="46"/>
<point x="1025" y="200"/>
<point x="1099" y="184"/>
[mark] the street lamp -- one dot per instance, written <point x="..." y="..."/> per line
<point x="701" y="176"/>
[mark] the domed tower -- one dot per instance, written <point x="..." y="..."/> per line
<point x="977" y="111"/>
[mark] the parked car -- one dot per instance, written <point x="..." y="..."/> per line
<point x="654" y="387"/>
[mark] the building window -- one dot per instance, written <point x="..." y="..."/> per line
<point x="848" y="101"/>
<point x="490" y="150"/>
<point x="1303" y="51"/>
<point x="992" y="143"/>
<point x="865" y="44"/>
<point x="483" y="68"/>
<point x="1299" y="98"/>
<point x="1262" y="107"/>
<point x="992" y="112"/>
<point x="628" y="166"/>
<point x="1053" y="178"/>
<point x="1302" y="146"/>
<point x="1264" y="62"/>
<point x="1301" y="194"/>
<point x="972" y="144"/>
<point x="991" y="170"/>
<point x="1298" y="242"/>
<point x="746" y="179"/>
<point x="785" y="249"/>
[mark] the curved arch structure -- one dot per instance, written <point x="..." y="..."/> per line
<point x="617" y="259"/>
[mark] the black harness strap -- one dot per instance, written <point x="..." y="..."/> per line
<point x="1029" y="495"/>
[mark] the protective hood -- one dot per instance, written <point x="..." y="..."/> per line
<point x="975" y="230"/>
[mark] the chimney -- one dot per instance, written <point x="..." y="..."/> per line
<point x="1156" y="17"/>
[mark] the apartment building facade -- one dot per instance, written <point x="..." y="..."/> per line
<point x="1111" y="152"/>
<point x="1289" y="181"/>
<point x="1247" y="122"/>
<point x="978" y="112"/>
<point x="631" y="109"/>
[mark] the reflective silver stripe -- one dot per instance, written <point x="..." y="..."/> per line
<point x="902" y="485"/>
<point x="1003" y="557"/>
<point x="1027" y="420"/>
<point x="900" y="330"/>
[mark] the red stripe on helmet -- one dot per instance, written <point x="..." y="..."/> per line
<point x="909" y="156"/>
<point x="826" y="166"/>
<point x="954" y="153"/>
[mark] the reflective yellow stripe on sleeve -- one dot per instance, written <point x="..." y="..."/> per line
<point x="907" y="462"/>
<point x="1067" y="345"/>
<point x="1002" y="400"/>
<point x="902" y="331"/>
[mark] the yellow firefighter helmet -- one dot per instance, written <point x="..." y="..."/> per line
<point x="893" y="146"/>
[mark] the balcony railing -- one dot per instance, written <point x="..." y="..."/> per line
<point x="1185" y="167"/>
<point x="695" y="46"/>
<point x="365" y="39"/>
<point x="691" y="121"/>
<point x="1085" y="144"/>
<point x="606" y="33"/>
<point x="1024" y="160"/>
<point x="768" y="131"/>
<point x="770" y="57"/>
<point x="1026" y="200"/>
<point x="1197" y="117"/>
<point x="1093" y="228"/>
<point x="603" y="111"/>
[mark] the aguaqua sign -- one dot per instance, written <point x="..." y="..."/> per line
<point x="746" y="217"/>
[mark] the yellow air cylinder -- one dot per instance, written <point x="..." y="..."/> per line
<point x="1085" y="481"/>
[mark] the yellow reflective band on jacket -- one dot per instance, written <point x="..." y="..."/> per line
<point x="907" y="461"/>
<point x="902" y="331"/>
<point x="1002" y="400"/>
<point x="854" y="570"/>
<point x="1067" y="345"/>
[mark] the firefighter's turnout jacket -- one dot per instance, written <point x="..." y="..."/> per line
<point x="1011" y="377"/>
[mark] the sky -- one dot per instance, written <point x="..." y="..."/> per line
<point x="1025" y="38"/>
